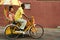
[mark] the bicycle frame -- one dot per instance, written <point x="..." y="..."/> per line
<point x="30" y="24"/>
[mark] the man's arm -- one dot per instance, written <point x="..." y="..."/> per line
<point x="25" y="16"/>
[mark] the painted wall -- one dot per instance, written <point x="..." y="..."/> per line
<point x="46" y="13"/>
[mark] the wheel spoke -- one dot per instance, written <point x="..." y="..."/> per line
<point x="9" y="31"/>
<point x="39" y="31"/>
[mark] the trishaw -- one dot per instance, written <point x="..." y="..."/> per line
<point x="12" y="30"/>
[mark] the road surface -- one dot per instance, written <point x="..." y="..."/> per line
<point x="49" y="34"/>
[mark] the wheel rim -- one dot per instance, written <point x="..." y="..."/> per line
<point x="39" y="31"/>
<point x="9" y="32"/>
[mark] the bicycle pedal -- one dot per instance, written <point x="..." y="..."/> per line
<point x="21" y="29"/>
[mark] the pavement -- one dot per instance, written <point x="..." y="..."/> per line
<point x="49" y="34"/>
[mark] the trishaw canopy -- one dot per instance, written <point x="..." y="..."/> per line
<point x="7" y="3"/>
<point x="10" y="2"/>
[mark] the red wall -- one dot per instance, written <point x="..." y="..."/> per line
<point x="46" y="13"/>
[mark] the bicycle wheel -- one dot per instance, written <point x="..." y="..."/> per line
<point x="38" y="33"/>
<point x="9" y="31"/>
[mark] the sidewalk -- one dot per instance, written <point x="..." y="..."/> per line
<point x="51" y="34"/>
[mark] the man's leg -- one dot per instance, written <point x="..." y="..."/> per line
<point x="23" y="23"/>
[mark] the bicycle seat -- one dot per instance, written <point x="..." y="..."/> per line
<point x="15" y="22"/>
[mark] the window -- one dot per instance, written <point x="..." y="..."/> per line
<point x="27" y="6"/>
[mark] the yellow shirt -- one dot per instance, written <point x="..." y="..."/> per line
<point x="18" y="14"/>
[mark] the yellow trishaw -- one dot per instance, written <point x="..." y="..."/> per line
<point x="12" y="30"/>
